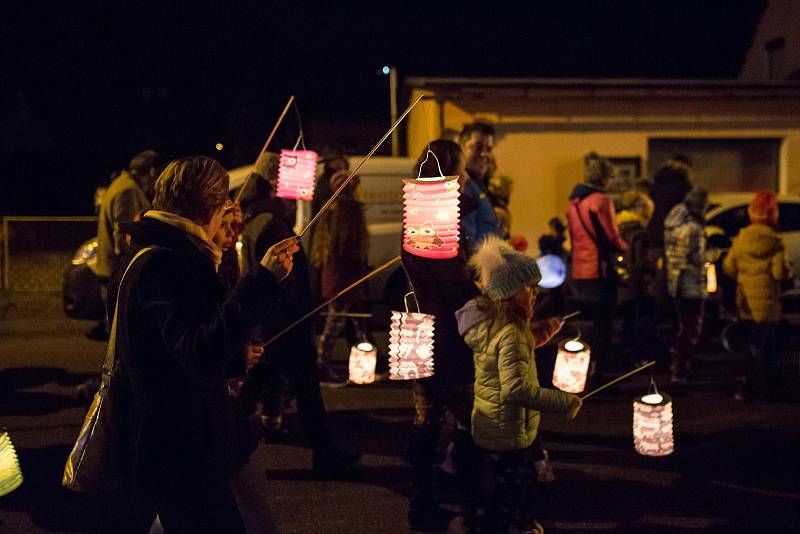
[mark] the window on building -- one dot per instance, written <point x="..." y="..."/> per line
<point x="722" y="165"/>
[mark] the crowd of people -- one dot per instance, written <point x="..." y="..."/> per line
<point x="196" y="326"/>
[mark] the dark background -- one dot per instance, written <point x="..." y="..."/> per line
<point x="85" y="86"/>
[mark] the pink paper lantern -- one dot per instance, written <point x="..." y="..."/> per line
<point x="572" y="366"/>
<point x="410" y="346"/>
<point x="431" y="217"/>
<point x="296" y="174"/>
<point x="361" y="365"/>
<point x="652" y="425"/>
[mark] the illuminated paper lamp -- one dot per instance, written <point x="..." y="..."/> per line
<point x="410" y="345"/>
<point x="572" y="366"/>
<point x="652" y="425"/>
<point x="361" y="365"/>
<point x="296" y="174"/>
<point x="711" y="278"/>
<point x="553" y="269"/>
<point x="10" y="473"/>
<point x="431" y="217"/>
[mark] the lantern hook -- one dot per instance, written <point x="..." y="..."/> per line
<point x="652" y="388"/>
<point x="438" y="165"/>
<point x="416" y="302"/>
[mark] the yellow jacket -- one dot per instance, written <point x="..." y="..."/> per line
<point x="757" y="260"/>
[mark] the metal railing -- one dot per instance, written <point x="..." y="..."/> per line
<point x="37" y="250"/>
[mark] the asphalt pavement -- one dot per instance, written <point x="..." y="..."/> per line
<point x="735" y="466"/>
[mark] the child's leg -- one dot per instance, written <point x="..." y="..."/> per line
<point x="504" y="495"/>
<point x="334" y="325"/>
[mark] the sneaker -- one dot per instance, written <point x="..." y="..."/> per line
<point x="429" y="518"/>
<point x="335" y="464"/>
<point x="544" y="469"/>
<point x="331" y="379"/>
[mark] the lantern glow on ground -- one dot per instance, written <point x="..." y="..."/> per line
<point x="431" y="217"/>
<point x="410" y="346"/>
<point x="296" y="174"/>
<point x="572" y="366"/>
<point x="361" y="365"/>
<point x="652" y="425"/>
<point x="10" y="473"/>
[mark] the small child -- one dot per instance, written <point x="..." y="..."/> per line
<point x="508" y="398"/>
<point x="757" y="261"/>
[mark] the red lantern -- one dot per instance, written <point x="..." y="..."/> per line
<point x="572" y="365"/>
<point x="431" y="217"/>
<point x="296" y="174"/>
<point x="361" y="365"/>
<point x="652" y="425"/>
<point x="410" y="344"/>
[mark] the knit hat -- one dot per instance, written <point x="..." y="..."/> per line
<point x="502" y="270"/>
<point x="596" y="168"/>
<point x="764" y="209"/>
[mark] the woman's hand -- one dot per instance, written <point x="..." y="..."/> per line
<point x="278" y="259"/>
<point x="253" y="352"/>
<point x="576" y="407"/>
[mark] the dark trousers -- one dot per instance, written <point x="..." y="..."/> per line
<point x="292" y="361"/>
<point x="690" y="326"/>
<point x="507" y="491"/>
<point x="431" y="402"/>
<point x="761" y="362"/>
<point x="599" y="300"/>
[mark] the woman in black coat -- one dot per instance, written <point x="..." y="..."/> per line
<point x="176" y="333"/>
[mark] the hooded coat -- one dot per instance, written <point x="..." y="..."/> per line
<point x="176" y="333"/>
<point x="508" y="398"/>
<point x="596" y="211"/>
<point x="633" y="229"/>
<point x="671" y="183"/>
<point x="757" y="261"/>
<point x="685" y="254"/>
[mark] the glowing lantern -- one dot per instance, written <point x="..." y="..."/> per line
<point x="572" y="365"/>
<point x="296" y="173"/>
<point x="10" y="473"/>
<point x="652" y="425"/>
<point x="553" y="270"/>
<point x="410" y="345"/>
<point x="431" y="217"/>
<point x="711" y="278"/>
<point x="363" y="358"/>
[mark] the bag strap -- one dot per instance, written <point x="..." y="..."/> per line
<point x="108" y="363"/>
<point x="585" y="227"/>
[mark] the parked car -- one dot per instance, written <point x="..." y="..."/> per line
<point x="381" y="191"/>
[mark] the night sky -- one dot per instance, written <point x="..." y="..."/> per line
<point x="84" y="88"/>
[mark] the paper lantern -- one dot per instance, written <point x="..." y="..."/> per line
<point x="652" y="425"/>
<point x="10" y="473"/>
<point x="553" y="269"/>
<point x="296" y="173"/>
<point x="572" y="365"/>
<point x="363" y="358"/>
<point x="431" y="217"/>
<point x="410" y="346"/>
<point x="711" y="278"/>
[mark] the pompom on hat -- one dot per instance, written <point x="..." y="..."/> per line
<point x="502" y="270"/>
<point x="764" y="209"/>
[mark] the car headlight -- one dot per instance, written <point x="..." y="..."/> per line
<point x="86" y="252"/>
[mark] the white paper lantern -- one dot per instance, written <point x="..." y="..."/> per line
<point x="296" y="174"/>
<point x="572" y="366"/>
<point x="10" y="473"/>
<point x="652" y="425"/>
<point x="410" y="346"/>
<point x="361" y="365"/>
<point x="553" y="269"/>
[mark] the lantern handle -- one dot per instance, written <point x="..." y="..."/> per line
<point x="429" y="151"/>
<point x="405" y="301"/>
<point x="297" y="143"/>
<point x="652" y="388"/>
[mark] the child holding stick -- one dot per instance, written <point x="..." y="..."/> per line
<point x="508" y="398"/>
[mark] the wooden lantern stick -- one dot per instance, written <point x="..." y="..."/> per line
<point x="264" y="148"/>
<point x="339" y="294"/>
<point x="354" y="171"/>
<point x="623" y="377"/>
<point x="570" y="315"/>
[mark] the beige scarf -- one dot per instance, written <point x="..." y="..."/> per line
<point x="195" y="233"/>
